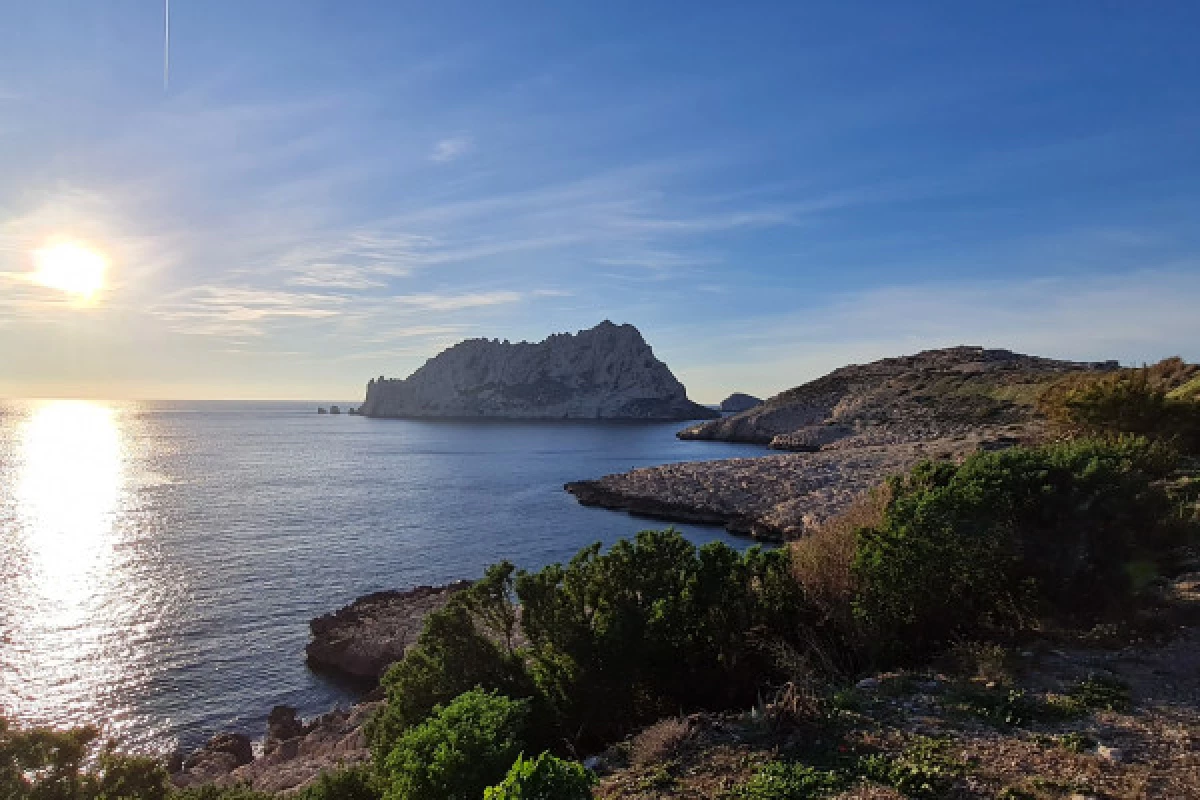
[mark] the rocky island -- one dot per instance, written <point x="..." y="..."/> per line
<point x="852" y="428"/>
<point x="605" y="372"/>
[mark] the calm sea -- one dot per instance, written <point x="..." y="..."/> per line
<point x="159" y="562"/>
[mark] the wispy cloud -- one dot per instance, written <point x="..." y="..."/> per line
<point x="457" y="302"/>
<point x="452" y="149"/>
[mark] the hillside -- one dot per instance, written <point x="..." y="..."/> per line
<point x="931" y="395"/>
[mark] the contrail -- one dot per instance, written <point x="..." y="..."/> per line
<point x="166" y="45"/>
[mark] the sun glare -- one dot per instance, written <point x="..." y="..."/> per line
<point x="71" y="269"/>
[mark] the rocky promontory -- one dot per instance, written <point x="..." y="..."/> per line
<point x="738" y="402"/>
<point x="605" y="372"/>
<point x="851" y="430"/>
<point x="933" y="394"/>
<point x="361" y="640"/>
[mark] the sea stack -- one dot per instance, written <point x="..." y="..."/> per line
<point x="605" y="372"/>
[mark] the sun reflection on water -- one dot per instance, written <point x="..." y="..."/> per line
<point x="75" y="611"/>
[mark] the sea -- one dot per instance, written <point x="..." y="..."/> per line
<point x="160" y="562"/>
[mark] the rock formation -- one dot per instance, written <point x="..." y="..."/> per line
<point x="738" y="402"/>
<point x="605" y="372"/>
<point x="363" y="639"/>
<point x="852" y="428"/>
<point x="935" y="393"/>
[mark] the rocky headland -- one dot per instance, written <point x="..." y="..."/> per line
<point x="605" y="372"/>
<point x="361" y="640"/>
<point x="738" y="402"/>
<point x="851" y="429"/>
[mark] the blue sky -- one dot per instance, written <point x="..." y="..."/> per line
<point x="329" y="191"/>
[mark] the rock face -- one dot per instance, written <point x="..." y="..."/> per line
<point x="605" y="372"/>
<point x="737" y="402"/>
<point x="363" y="639"/>
<point x="223" y="753"/>
<point x="955" y="391"/>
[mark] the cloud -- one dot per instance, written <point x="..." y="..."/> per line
<point x="452" y="149"/>
<point x="457" y="302"/>
<point x="1139" y="316"/>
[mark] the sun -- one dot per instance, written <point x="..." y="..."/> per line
<point x="70" y="268"/>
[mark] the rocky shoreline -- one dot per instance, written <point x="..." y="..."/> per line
<point x="357" y="642"/>
<point x="774" y="497"/>
<point x="362" y="639"/>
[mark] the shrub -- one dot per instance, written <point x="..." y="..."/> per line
<point x="1155" y="402"/>
<point x="922" y="770"/>
<point x="1102" y="693"/>
<point x="823" y="560"/>
<point x="459" y="649"/>
<point x="352" y="783"/>
<point x="460" y="750"/>
<point x="781" y="780"/>
<point x="660" y="742"/>
<point x="43" y="764"/>
<point x="1008" y="537"/>
<point x="544" y="778"/>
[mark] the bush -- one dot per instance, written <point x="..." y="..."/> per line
<point x="457" y="752"/>
<point x="660" y="742"/>
<point x="42" y="764"/>
<point x="923" y="770"/>
<point x="544" y="778"/>
<point x="459" y="649"/>
<point x="1156" y="402"/>
<point x="353" y="783"/>
<point x="1007" y="538"/>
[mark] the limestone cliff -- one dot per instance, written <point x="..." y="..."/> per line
<point x="605" y="372"/>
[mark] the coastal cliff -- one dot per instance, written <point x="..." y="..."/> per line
<point x="605" y="372"/>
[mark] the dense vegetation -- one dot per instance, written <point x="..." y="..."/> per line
<point x="567" y="659"/>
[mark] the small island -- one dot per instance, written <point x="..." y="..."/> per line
<point x="605" y="372"/>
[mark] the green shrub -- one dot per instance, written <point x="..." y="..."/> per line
<point x="460" y="750"/>
<point x="458" y="649"/>
<point x="924" y="769"/>
<point x="1156" y="402"/>
<point x="43" y="764"/>
<point x="1102" y="693"/>
<point x="781" y="780"/>
<point x="352" y="783"/>
<point x="1006" y="538"/>
<point x="544" y="778"/>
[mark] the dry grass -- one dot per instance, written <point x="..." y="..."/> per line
<point x="661" y="742"/>
<point x="822" y="561"/>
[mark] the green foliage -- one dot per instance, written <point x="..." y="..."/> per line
<point x="544" y="778"/>
<point x="41" y="764"/>
<point x="354" y="783"/>
<point x="924" y="769"/>
<point x="1006" y="537"/>
<point x="782" y="780"/>
<point x="1103" y="693"/>
<point x="622" y="638"/>
<point x="1156" y="402"/>
<point x="460" y="750"/>
<point x="465" y="645"/>
<point x="1005" y="707"/>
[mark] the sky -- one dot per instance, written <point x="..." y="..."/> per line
<point x="323" y="192"/>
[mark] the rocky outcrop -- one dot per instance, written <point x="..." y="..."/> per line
<point x="933" y="394"/>
<point x="220" y="756"/>
<point x="738" y="402"/>
<point x="605" y="372"/>
<point x="772" y="497"/>
<point x="294" y="753"/>
<point x="363" y="639"/>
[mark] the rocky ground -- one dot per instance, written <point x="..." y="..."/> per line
<point x="777" y="496"/>
<point x="1147" y="749"/>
